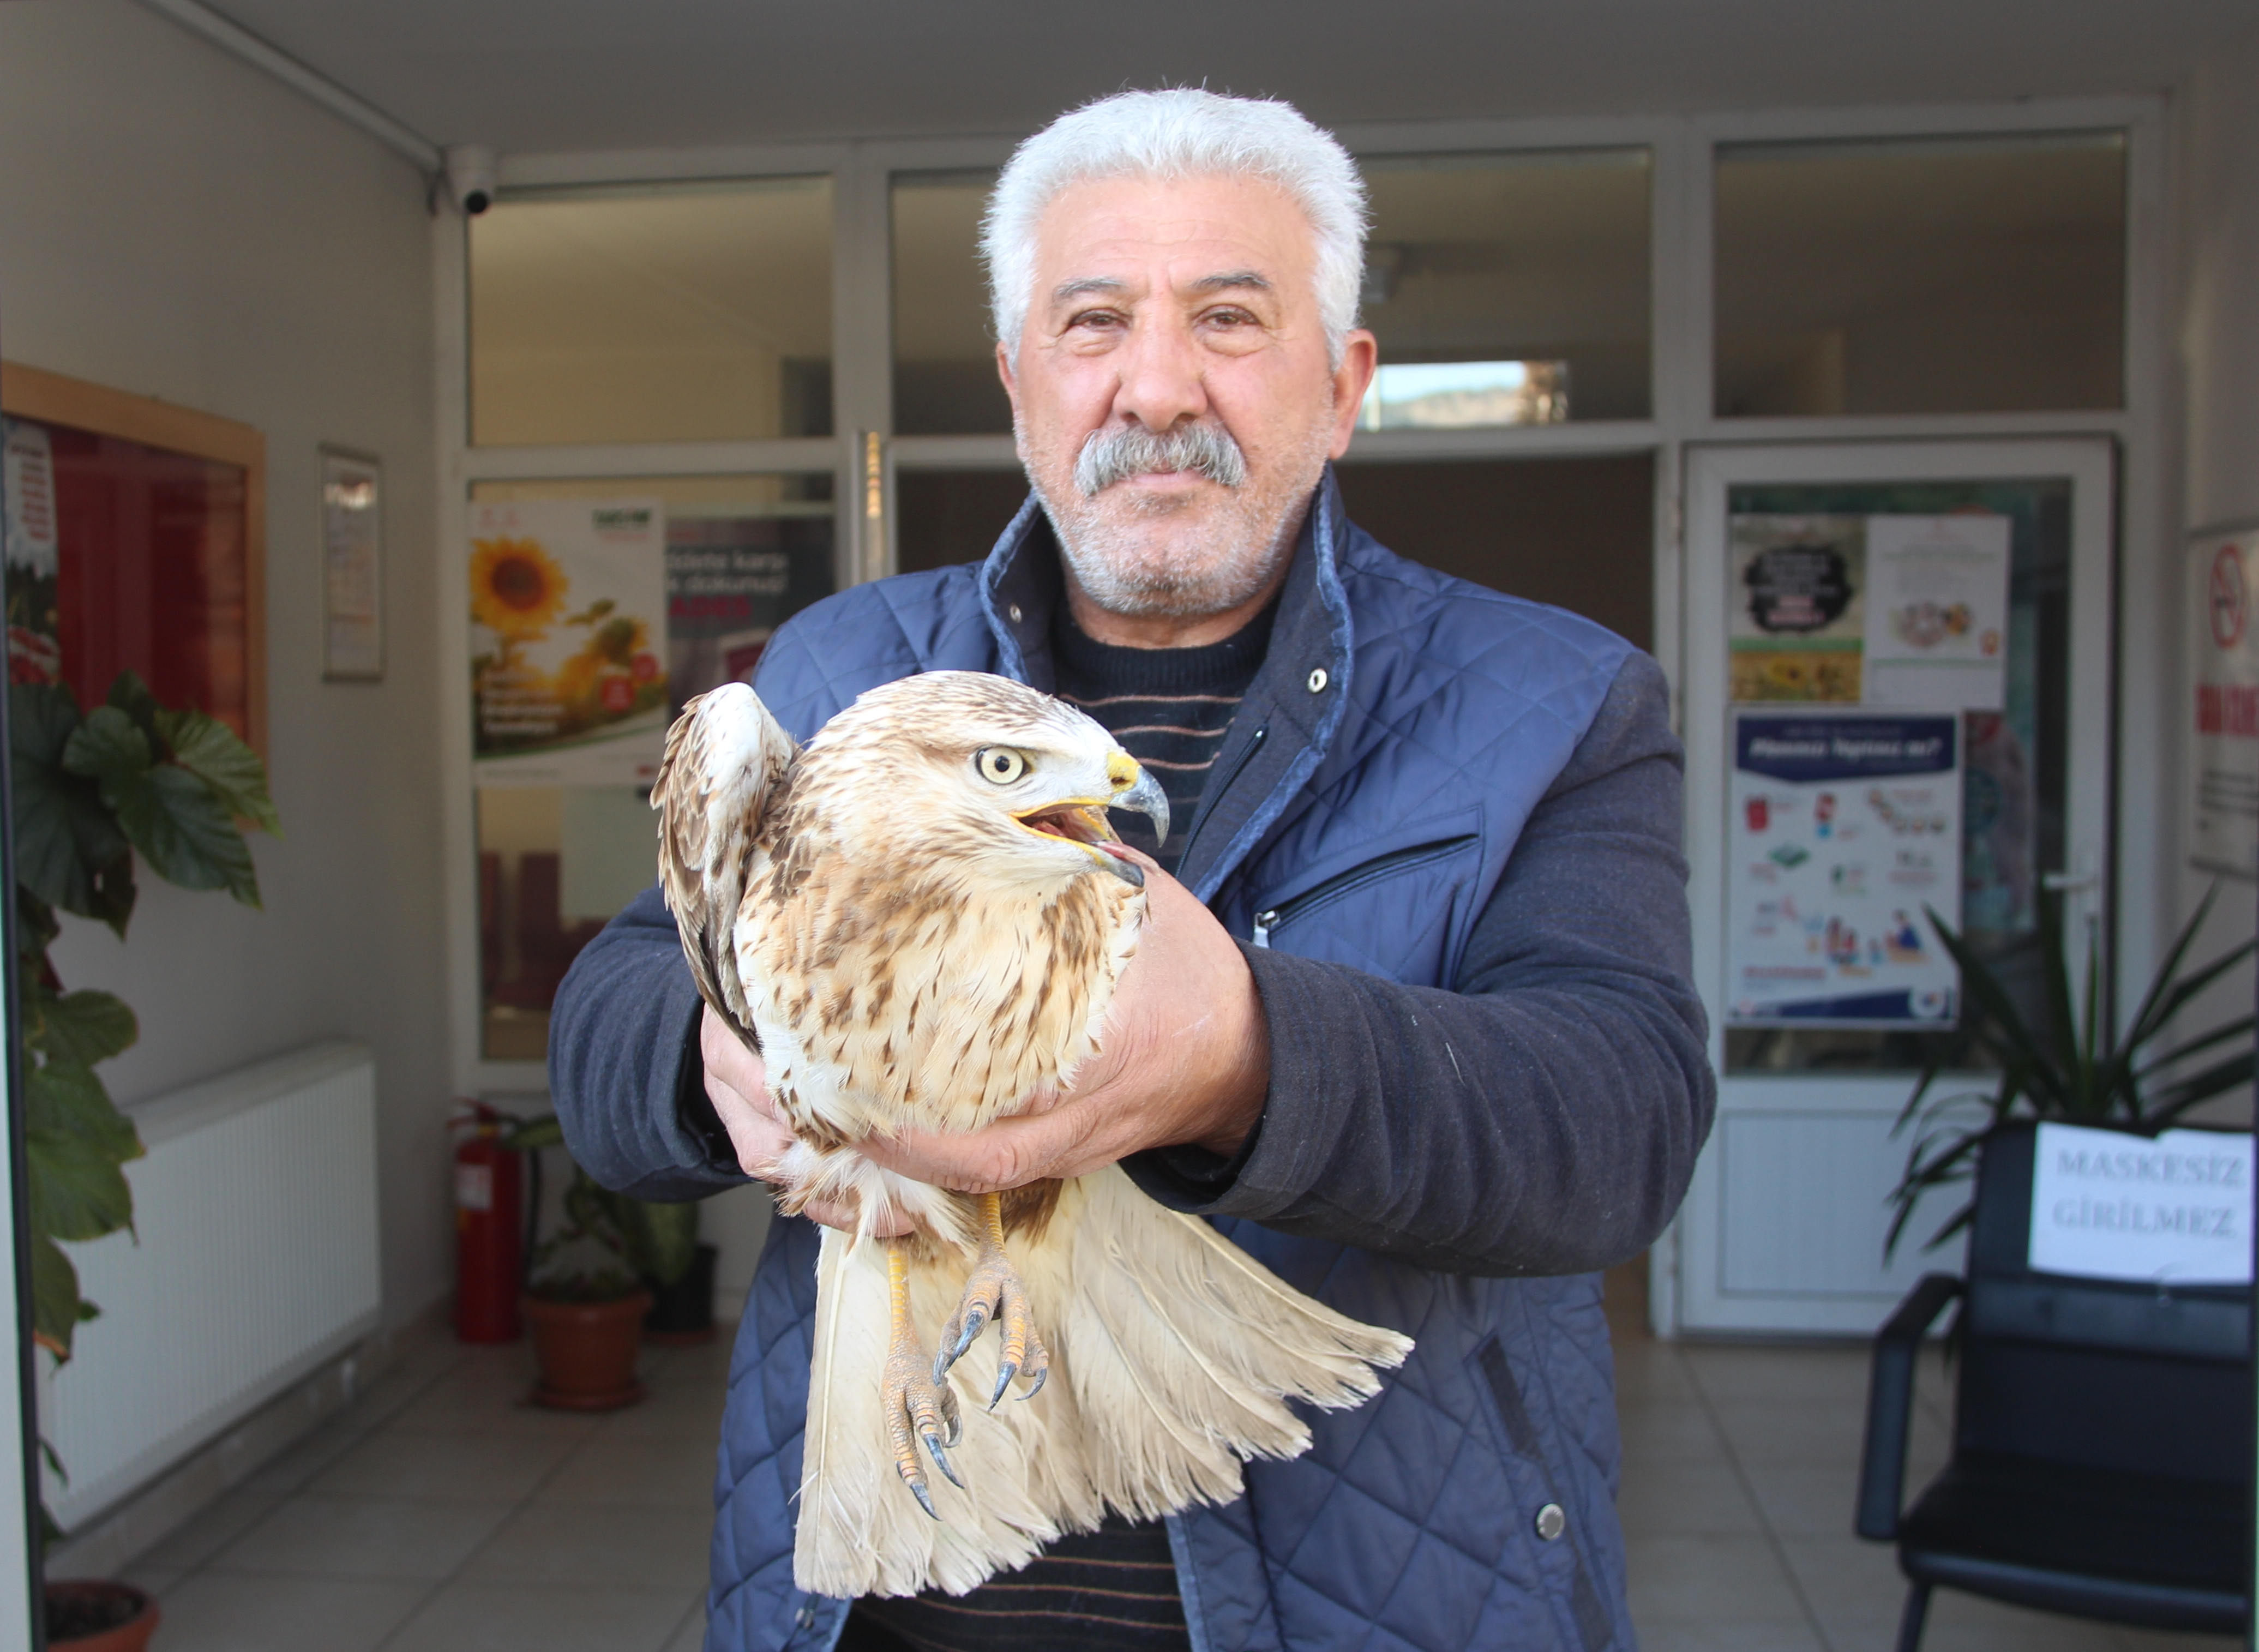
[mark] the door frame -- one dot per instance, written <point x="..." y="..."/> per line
<point x="1697" y="1301"/>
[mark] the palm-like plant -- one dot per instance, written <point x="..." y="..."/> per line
<point x="2074" y="1070"/>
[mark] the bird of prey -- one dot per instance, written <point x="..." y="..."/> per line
<point x="919" y="923"/>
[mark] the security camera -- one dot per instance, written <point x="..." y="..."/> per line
<point x="471" y="175"/>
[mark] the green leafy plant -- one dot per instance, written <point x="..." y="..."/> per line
<point x="92" y="793"/>
<point x="643" y="1240"/>
<point x="2073" y="1069"/>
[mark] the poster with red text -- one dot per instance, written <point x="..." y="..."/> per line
<point x="2223" y="584"/>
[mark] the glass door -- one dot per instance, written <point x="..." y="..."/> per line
<point x="1896" y="713"/>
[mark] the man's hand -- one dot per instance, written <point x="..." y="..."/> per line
<point x="1186" y="1059"/>
<point x="737" y="1083"/>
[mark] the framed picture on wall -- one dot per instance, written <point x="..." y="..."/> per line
<point x="353" y="568"/>
<point x="135" y="540"/>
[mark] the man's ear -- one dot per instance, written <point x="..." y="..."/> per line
<point x="1011" y="380"/>
<point x="1360" y="358"/>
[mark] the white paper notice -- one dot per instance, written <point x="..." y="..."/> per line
<point x="2175" y="1210"/>
<point x="1937" y="613"/>
<point x="353" y="554"/>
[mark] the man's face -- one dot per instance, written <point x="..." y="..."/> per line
<point x="1173" y="355"/>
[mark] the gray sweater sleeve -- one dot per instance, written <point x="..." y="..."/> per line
<point x="623" y="1065"/>
<point x="1543" y="1117"/>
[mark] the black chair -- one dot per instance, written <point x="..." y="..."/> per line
<point x="2102" y="1436"/>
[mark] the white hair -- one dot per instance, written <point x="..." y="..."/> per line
<point x="1184" y="133"/>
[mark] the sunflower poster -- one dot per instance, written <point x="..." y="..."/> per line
<point x="568" y="614"/>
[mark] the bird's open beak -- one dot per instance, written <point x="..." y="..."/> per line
<point x="1082" y="820"/>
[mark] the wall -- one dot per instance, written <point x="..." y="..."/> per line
<point x="175" y="224"/>
<point x="2219" y="368"/>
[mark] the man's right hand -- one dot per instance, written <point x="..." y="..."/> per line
<point x="737" y="1083"/>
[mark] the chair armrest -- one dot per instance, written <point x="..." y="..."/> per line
<point x="1890" y="1404"/>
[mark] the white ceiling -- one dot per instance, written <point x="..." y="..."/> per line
<point x="537" y="76"/>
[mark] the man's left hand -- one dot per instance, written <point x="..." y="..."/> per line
<point x="1185" y="1058"/>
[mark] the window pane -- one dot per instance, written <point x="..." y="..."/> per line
<point x="945" y="355"/>
<point x="697" y="314"/>
<point x="945" y="517"/>
<point x="1531" y="269"/>
<point x="1931" y="276"/>
<point x="1576" y="532"/>
<point x="557" y="861"/>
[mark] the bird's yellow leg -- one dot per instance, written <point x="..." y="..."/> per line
<point x="918" y="1404"/>
<point x="994" y="1291"/>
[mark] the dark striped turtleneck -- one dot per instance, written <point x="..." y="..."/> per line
<point x="1170" y="708"/>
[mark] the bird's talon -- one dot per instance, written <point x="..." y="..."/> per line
<point x="1034" y="1386"/>
<point x="996" y="1292"/>
<point x="918" y="1491"/>
<point x="941" y="1458"/>
<point x="917" y="1403"/>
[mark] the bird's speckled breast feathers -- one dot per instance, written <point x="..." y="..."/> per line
<point x="910" y="953"/>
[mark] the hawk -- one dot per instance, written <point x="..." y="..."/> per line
<point x="919" y="923"/>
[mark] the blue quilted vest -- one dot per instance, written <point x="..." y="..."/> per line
<point x="1376" y="779"/>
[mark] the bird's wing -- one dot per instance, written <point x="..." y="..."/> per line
<point x="726" y="760"/>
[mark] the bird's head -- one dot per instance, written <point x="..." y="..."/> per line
<point x="987" y="768"/>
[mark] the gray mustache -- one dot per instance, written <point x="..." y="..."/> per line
<point x="1111" y="456"/>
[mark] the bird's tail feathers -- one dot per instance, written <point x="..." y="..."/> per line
<point x="1182" y="1350"/>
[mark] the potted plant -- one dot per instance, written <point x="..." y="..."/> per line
<point x="131" y="778"/>
<point x="593" y="1280"/>
<point x="2073" y="1069"/>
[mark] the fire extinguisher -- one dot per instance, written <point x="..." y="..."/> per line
<point x="488" y="1232"/>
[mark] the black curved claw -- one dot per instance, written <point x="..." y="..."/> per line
<point x="1005" y="1372"/>
<point x="941" y="1461"/>
<point x="925" y="1502"/>
<point x="1043" y="1375"/>
<point x="975" y="1322"/>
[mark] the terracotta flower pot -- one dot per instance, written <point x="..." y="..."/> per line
<point x="587" y="1352"/>
<point x="77" y="1602"/>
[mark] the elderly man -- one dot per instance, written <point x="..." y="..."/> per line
<point x="1411" y="1022"/>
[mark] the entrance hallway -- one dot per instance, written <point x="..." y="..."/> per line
<point x="441" y="1515"/>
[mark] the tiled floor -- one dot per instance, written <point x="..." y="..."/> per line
<point x="441" y="1515"/>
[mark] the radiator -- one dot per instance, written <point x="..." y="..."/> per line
<point x="257" y="1262"/>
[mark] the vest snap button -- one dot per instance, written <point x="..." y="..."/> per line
<point x="1014" y="612"/>
<point x="1551" y="1521"/>
<point x="1318" y="681"/>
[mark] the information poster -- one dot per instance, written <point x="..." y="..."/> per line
<point x="1908" y="612"/>
<point x="1937" y="617"/>
<point x="568" y="606"/>
<point x="2224" y="816"/>
<point x="1845" y="827"/>
<point x="29" y="544"/>
<point x="1797" y="606"/>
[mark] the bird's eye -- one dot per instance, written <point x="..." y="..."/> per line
<point x="999" y="764"/>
